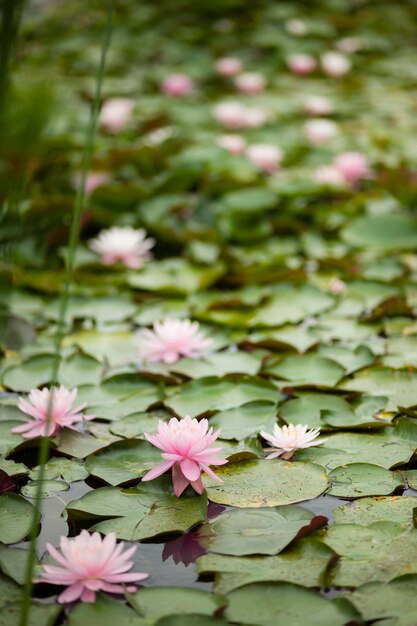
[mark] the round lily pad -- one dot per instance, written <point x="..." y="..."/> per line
<point x="266" y="483"/>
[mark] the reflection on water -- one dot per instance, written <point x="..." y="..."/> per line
<point x="170" y="563"/>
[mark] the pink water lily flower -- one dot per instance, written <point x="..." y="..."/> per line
<point x="185" y="446"/>
<point x="352" y="166"/>
<point x="235" y="144"/>
<point x="335" y="64"/>
<point x="171" y="339"/>
<point x="301" y="64"/>
<point x="58" y="402"/>
<point x="90" y="564"/>
<point x="296" y="27"/>
<point x="265" y="156"/>
<point x="318" y="105"/>
<point x="228" y="66"/>
<point x="116" y="113"/>
<point x="177" y="85"/>
<point x="123" y="244"/>
<point x="319" y="131"/>
<point x="250" y="83"/>
<point x="236" y="115"/>
<point x="329" y="175"/>
<point x="285" y="440"/>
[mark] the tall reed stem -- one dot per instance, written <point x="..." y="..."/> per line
<point x="61" y="324"/>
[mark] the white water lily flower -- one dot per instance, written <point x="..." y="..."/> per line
<point x="124" y="245"/>
<point x="287" y="439"/>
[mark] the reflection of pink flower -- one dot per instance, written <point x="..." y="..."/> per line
<point x="123" y="244"/>
<point x="90" y="564"/>
<point x="115" y="113"/>
<point x="172" y="339"/>
<point x="337" y="286"/>
<point x="301" y="64"/>
<point x="329" y="175"/>
<point x="57" y="402"/>
<point x="318" y="105"/>
<point x="177" y="85"/>
<point x="235" y="144"/>
<point x="348" y="45"/>
<point x="92" y="181"/>
<point x="185" y="446"/>
<point x="296" y="27"/>
<point x="265" y="156"/>
<point x="352" y="166"/>
<point x="335" y="64"/>
<point x="250" y="83"/>
<point x="237" y="115"/>
<point x="287" y="439"/>
<point x="319" y="132"/>
<point x="228" y="66"/>
<point x="186" y="549"/>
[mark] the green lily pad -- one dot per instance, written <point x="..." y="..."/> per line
<point x="388" y="604"/>
<point x="382" y="232"/>
<point x="291" y="304"/>
<point x="266" y="604"/>
<point x="266" y="483"/>
<point x="16" y="516"/>
<point x="399" y="509"/>
<point x="139" y="513"/>
<point x="175" y="276"/>
<point x="342" y="448"/>
<point x="104" y="612"/>
<point x="241" y="532"/>
<point x="123" y="461"/>
<point x="208" y="394"/>
<point x="246" y="420"/>
<point x="380" y="551"/>
<point x="305" y="564"/>
<point x="363" y="479"/>
<point x="308" y="369"/>
<point x="158" y="602"/>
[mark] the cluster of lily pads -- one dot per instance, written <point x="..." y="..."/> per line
<point x="245" y="281"/>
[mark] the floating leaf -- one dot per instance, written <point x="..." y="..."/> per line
<point x="16" y="516"/>
<point x="241" y="532"/>
<point x="266" y="483"/>
<point x="123" y="461"/>
<point x="266" y="604"/>
<point x="363" y="479"/>
<point x="159" y="602"/>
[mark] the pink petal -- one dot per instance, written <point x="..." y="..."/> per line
<point x="190" y="469"/>
<point x="158" y="470"/>
<point x="179" y="481"/>
<point x="71" y="593"/>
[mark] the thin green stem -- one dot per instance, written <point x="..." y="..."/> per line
<point x="61" y="324"/>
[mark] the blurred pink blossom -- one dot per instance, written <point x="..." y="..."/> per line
<point x="301" y="63"/>
<point x="185" y="446"/>
<point x="90" y="564"/>
<point x="352" y="166"/>
<point x="250" y="83"/>
<point x="177" y="85"/>
<point x="124" y="245"/>
<point x="93" y="181"/>
<point x="116" y="113"/>
<point x="296" y="27"/>
<point x="335" y="64"/>
<point x="318" y="105"/>
<point x="50" y="410"/>
<point x="319" y="131"/>
<point x="329" y="175"/>
<point x="172" y="339"/>
<point x="265" y="156"/>
<point x="349" y="45"/>
<point x="235" y="144"/>
<point x="234" y="114"/>
<point x="228" y="66"/>
<point x="337" y="286"/>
